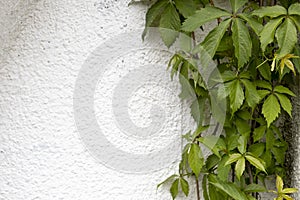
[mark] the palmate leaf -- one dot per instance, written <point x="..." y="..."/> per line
<point x="271" y="109"/>
<point x="153" y="13"/>
<point x="268" y="32"/>
<point x="286" y="36"/>
<point x="237" y="4"/>
<point x="169" y="25"/>
<point x="214" y="37"/>
<point x="270" y="11"/>
<point x="186" y="7"/>
<point x="294" y="9"/>
<point x="241" y="41"/>
<point x="203" y="16"/>
<point x="285" y="103"/>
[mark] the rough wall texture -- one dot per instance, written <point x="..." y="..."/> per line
<point x="44" y="46"/>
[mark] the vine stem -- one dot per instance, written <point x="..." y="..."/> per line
<point x="197" y="188"/>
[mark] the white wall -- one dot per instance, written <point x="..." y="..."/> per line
<point x="43" y="155"/>
<point x="50" y="93"/>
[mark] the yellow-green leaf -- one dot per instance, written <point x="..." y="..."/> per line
<point x="240" y="167"/>
<point x="256" y="162"/>
<point x="294" y="9"/>
<point x="233" y="158"/>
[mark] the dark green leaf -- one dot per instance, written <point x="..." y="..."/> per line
<point x="236" y="95"/>
<point x="255" y="188"/>
<point x="212" y="161"/>
<point x="167" y="180"/>
<point x="237" y="4"/>
<point x="204" y="188"/>
<point x="241" y="41"/>
<point x="195" y="159"/>
<point x="252" y="97"/>
<point x="253" y="23"/>
<point x="268" y="32"/>
<point x="257" y="149"/>
<point x="286" y="36"/>
<point x="203" y="16"/>
<point x="153" y="13"/>
<point x="223" y="170"/>
<point x="213" y="39"/>
<point x="174" y="189"/>
<point x="184" y="186"/>
<point x="229" y="188"/>
<point x="279" y="154"/>
<point x="258" y="133"/>
<point x="186" y="7"/>
<point x="169" y="25"/>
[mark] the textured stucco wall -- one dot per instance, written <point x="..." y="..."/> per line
<point x="48" y="49"/>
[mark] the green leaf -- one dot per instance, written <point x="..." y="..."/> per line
<point x="241" y="41"/>
<point x="285" y="103"/>
<point x="195" y="159"/>
<point x="203" y="16"/>
<point x="237" y="4"/>
<point x="279" y="154"/>
<point x="240" y="167"/>
<point x="296" y="20"/>
<point x="174" y="189"/>
<point x="233" y="158"/>
<point x="204" y="188"/>
<point x="186" y="7"/>
<point x="257" y="149"/>
<point x="270" y="11"/>
<point x="252" y="97"/>
<point x="214" y="37"/>
<point x="223" y="170"/>
<point x="286" y="36"/>
<point x="243" y="127"/>
<point x="294" y="9"/>
<point x="210" y="142"/>
<point x="184" y="186"/>
<point x="229" y="188"/>
<point x="265" y="71"/>
<point x="167" y="180"/>
<point x="263" y="84"/>
<point x="253" y="23"/>
<point x="236" y="95"/>
<point x="259" y="164"/>
<point x="169" y="25"/>
<point x="255" y="188"/>
<point x="270" y="139"/>
<point x="212" y="161"/>
<point x="283" y="90"/>
<point x="228" y="76"/>
<point x="271" y="109"/>
<point x="153" y="13"/>
<point x="268" y="32"/>
<point x="258" y="133"/>
<point x="242" y="144"/>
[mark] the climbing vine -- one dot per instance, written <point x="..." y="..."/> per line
<point x="255" y="48"/>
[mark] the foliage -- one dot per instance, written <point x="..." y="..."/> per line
<point x="255" y="48"/>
